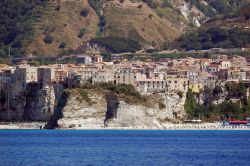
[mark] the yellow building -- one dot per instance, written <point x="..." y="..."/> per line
<point x="196" y="87"/>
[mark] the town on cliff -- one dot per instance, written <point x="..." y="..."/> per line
<point x="188" y="88"/>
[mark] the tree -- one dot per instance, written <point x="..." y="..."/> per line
<point x="190" y="103"/>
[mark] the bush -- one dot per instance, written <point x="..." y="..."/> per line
<point x="180" y="94"/>
<point x="84" y="12"/>
<point x="217" y="90"/>
<point x="190" y="103"/>
<point x="83" y="95"/>
<point x="62" y="45"/>
<point x="161" y="105"/>
<point x="81" y="32"/>
<point x="150" y="3"/>
<point x="215" y="37"/>
<point x="16" y="27"/>
<point x="48" y="39"/>
<point x="117" y="45"/>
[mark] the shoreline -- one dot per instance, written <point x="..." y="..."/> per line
<point x="183" y="126"/>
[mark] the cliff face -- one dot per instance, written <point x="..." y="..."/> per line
<point x="34" y="104"/>
<point x="110" y="111"/>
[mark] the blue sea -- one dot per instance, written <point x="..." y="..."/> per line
<point x="124" y="147"/>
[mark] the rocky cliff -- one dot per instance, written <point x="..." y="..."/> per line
<point x="111" y="111"/>
<point x="36" y="103"/>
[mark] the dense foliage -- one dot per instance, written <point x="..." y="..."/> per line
<point x="117" y="45"/>
<point x="215" y="37"/>
<point x="226" y="6"/>
<point x="206" y="9"/>
<point x="235" y="106"/>
<point x="190" y="103"/>
<point x="97" y="6"/>
<point x="16" y="20"/>
<point x="125" y="91"/>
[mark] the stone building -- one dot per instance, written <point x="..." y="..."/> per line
<point x="23" y="75"/>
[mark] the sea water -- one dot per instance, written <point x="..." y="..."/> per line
<point x="124" y="147"/>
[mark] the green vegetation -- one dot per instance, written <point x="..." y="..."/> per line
<point x="48" y="39"/>
<point x="180" y="94"/>
<point x="236" y="105"/>
<point x="62" y="45"/>
<point x="81" y="32"/>
<point x="215" y="37"/>
<point x="161" y="105"/>
<point x="121" y="89"/>
<point x="16" y="20"/>
<point x="83" y="96"/>
<point x="84" y="12"/>
<point x="207" y="10"/>
<point x="127" y="92"/>
<point x="190" y="103"/>
<point x="117" y="45"/>
<point x="226" y="6"/>
<point x="150" y="3"/>
<point x="97" y="6"/>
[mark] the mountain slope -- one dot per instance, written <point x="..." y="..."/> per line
<point x="226" y="31"/>
<point x="50" y="28"/>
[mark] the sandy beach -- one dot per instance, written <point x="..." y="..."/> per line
<point x="21" y="125"/>
<point x="183" y="126"/>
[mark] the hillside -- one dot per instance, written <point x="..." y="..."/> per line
<point x="50" y="28"/>
<point x="224" y="31"/>
<point x="45" y="27"/>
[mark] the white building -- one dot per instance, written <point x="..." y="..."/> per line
<point x="149" y="86"/>
<point x="103" y="76"/>
<point x="23" y="75"/>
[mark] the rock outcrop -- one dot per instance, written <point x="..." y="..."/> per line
<point x="36" y="103"/>
<point x="110" y="111"/>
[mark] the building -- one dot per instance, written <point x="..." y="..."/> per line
<point x="45" y="75"/>
<point x="83" y="59"/>
<point x="103" y="76"/>
<point x="23" y="75"/>
<point x="174" y="83"/>
<point x="127" y="76"/>
<point x="150" y="86"/>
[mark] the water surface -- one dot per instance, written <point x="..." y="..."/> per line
<point x="122" y="147"/>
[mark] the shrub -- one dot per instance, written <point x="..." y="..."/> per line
<point x="161" y="105"/>
<point x="139" y="6"/>
<point x="214" y="37"/>
<point x="150" y="16"/>
<point x="190" y="103"/>
<point x="84" y="12"/>
<point x="81" y="32"/>
<point x="62" y="45"/>
<point x="180" y="94"/>
<point x="117" y="45"/>
<point x="83" y="95"/>
<point x="217" y="90"/>
<point x="48" y="39"/>
<point x="150" y="3"/>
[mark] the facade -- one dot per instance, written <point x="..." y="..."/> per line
<point x="103" y="76"/>
<point x="177" y="84"/>
<point x="23" y="75"/>
<point x="83" y="60"/>
<point x="45" y="75"/>
<point x="127" y="76"/>
<point x="149" y="86"/>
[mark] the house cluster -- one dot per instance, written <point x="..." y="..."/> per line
<point x="147" y="77"/>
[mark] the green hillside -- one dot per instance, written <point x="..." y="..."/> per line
<point x="56" y="27"/>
